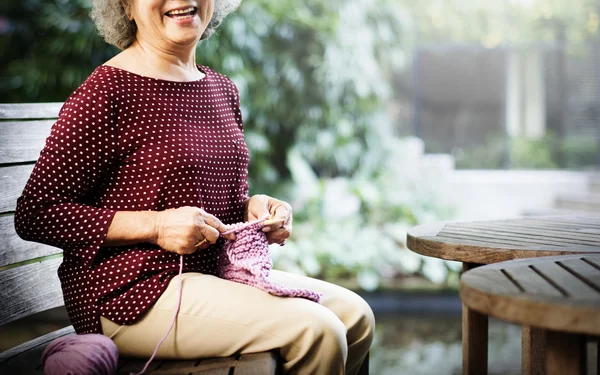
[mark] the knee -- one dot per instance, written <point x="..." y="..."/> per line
<point x="320" y="345"/>
<point x="367" y="321"/>
<point x="362" y="325"/>
<point x="328" y="333"/>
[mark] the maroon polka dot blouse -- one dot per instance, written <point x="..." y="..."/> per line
<point x="132" y="143"/>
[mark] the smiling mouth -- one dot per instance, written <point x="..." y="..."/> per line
<point x="182" y="13"/>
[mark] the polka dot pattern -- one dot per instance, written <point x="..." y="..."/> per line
<point x="125" y="142"/>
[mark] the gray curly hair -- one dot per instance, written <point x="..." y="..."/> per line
<point x="114" y="25"/>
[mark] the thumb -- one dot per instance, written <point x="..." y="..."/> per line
<point x="258" y="207"/>
<point x="219" y="226"/>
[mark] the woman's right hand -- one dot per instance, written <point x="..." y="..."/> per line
<point x="179" y="230"/>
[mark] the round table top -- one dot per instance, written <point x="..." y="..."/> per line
<point x="486" y="242"/>
<point x="558" y="293"/>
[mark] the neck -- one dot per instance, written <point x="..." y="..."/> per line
<point x="175" y="65"/>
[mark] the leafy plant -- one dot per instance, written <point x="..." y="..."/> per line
<point x="48" y="48"/>
<point x="580" y="152"/>
<point x="311" y="74"/>
<point x="355" y="227"/>
<point x="528" y="153"/>
<point x="533" y="153"/>
<point x="314" y="80"/>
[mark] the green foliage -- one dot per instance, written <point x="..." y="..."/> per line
<point x="314" y="79"/>
<point x="532" y="153"/>
<point x="355" y="227"/>
<point x="489" y="155"/>
<point x="48" y="48"/>
<point x="525" y="153"/>
<point x="580" y="152"/>
<point x="310" y="74"/>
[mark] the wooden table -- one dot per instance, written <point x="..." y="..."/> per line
<point x="558" y="295"/>
<point x="486" y="242"/>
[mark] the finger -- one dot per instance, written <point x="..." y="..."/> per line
<point x="210" y="233"/>
<point x="185" y="250"/>
<point x="218" y="225"/>
<point x="288" y="224"/>
<point x="202" y="244"/>
<point x="272" y="224"/>
<point x="282" y="211"/>
<point x="278" y="236"/>
<point x="258" y="207"/>
<point x="230" y="236"/>
<point x="213" y="222"/>
<point x="281" y="215"/>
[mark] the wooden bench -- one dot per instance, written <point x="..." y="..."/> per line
<point x="28" y="271"/>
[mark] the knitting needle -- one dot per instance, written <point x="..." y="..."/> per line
<point x="274" y="221"/>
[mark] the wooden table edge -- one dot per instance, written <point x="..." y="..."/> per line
<point x="510" y="308"/>
<point x="421" y="240"/>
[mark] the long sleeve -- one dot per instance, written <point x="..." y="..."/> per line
<point x="55" y="207"/>
<point x="237" y="110"/>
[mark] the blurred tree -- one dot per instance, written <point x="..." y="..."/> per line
<point x="48" y="48"/>
<point x="311" y="73"/>
<point x="314" y="79"/>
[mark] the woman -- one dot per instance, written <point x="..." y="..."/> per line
<point x="147" y="162"/>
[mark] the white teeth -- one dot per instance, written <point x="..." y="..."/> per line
<point x="180" y="11"/>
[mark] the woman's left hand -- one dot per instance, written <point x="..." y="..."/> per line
<point x="280" y="213"/>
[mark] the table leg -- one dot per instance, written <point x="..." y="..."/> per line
<point x="533" y="345"/>
<point x="474" y="338"/>
<point x="565" y="353"/>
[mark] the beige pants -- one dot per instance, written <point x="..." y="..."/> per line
<point x="221" y="318"/>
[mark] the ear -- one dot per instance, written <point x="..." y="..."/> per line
<point x="126" y="4"/>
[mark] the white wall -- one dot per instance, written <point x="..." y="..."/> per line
<point x="486" y="194"/>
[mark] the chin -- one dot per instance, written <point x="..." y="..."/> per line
<point x="184" y="38"/>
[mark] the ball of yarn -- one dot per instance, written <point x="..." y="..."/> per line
<point x="90" y="354"/>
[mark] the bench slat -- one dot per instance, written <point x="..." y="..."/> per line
<point x="259" y="363"/>
<point x="26" y="359"/>
<point x="22" y="141"/>
<point x="30" y="110"/>
<point x="29" y="289"/>
<point x="215" y="371"/>
<point x="215" y="366"/>
<point x="128" y="365"/>
<point x="12" y="182"/>
<point x="28" y="356"/>
<point x="247" y="364"/>
<point x="13" y="249"/>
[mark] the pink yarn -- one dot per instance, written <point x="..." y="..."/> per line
<point x="249" y="262"/>
<point x="172" y="323"/>
<point x="91" y="354"/>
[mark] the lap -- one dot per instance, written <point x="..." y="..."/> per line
<point x="235" y="317"/>
<point x="339" y="300"/>
<point x="204" y="294"/>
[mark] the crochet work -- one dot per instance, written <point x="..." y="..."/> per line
<point x="248" y="262"/>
